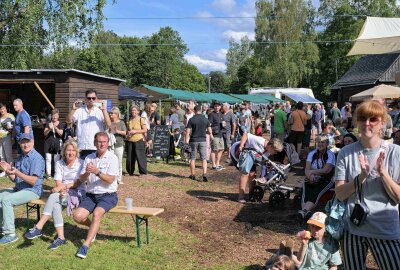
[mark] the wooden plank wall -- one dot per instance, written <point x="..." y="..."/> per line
<point x="73" y="87"/>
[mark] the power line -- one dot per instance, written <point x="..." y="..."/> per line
<point x="221" y="17"/>
<point x="180" y="44"/>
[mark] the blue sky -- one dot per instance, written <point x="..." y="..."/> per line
<point x="207" y="39"/>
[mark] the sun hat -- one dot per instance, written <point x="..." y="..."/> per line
<point x="317" y="219"/>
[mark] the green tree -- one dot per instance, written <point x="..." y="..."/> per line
<point x="29" y="27"/>
<point x="237" y="54"/>
<point x="284" y="35"/>
<point x="338" y="25"/>
<point x="161" y="62"/>
<point x="102" y="59"/>
<point x="218" y="81"/>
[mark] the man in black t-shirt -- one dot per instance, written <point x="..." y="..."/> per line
<point x="196" y="130"/>
<point x="217" y="143"/>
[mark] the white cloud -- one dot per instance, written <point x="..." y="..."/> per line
<point x="224" y="5"/>
<point x="221" y="54"/>
<point x="205" y="65"/>
<point x="237" y="35"/>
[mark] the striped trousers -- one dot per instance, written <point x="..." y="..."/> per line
<point x="355" y="248"/>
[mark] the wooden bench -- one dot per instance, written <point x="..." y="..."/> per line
<point x="139" y="214"/>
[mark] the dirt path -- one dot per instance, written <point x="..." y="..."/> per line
<point x="245" y="234"/>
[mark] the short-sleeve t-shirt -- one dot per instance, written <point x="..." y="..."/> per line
<point x="22" y="120"/>
<point x="198" y="124"/>
<point x="383" y="220"/>
<point x="229" y="119"/>
<point x="30" y="164"/>
<point x="279" y="121"/>
<point x="136" y="124"/>
<point x="321" y="256"/>
<point x="255" y="142"/>
<point x="68" y="175"/>
<point x="216" y="119"/>
<point x="107" y="164"/>
<point x="319" y="163"/>
<point x="299" y="118"/>
<point x="3" y="127"/>
<point x="119" y="139"/>
<point x="88" y="123"/>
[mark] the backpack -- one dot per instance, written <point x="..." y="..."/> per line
<point x="291" y="153"/>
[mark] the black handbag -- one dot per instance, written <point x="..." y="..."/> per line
<point x="360" y="210"/>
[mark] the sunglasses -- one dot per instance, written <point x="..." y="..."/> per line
<point x="91" y="98"/>
<point x="372" y="120"/>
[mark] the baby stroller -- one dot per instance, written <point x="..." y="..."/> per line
<point x="272" y="179"/>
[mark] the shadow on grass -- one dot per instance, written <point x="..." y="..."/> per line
<point x="167" y="174"/>
<point x="73" y="234"/>
<point x="254" y="267"/>
<point x="212" y="196"/>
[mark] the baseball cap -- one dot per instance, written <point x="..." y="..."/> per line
<point x="216" y="103"/>
<point x="317" y="219"/>
<point x="25" y="136"/>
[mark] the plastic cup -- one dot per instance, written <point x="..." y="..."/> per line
<point x="129" y="204"/>
<point x="9" y="125"/>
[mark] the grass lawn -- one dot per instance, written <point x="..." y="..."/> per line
<point x="115" y="246"/>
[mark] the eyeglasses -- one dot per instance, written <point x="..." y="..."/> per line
<point x="91" y="98"/>
<point x="372" y="120"/>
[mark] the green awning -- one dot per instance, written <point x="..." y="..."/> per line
<point x="271" y="98"/>
<point x="221" y="97"/>
<point x="170" y="94"/>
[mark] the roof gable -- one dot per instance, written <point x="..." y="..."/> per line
<point x="367" y="70"/>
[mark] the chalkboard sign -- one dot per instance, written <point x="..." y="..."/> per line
<point x="161" y="141"/>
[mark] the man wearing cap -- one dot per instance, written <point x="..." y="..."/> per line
<point x="316" y="250"/>
<point x="217" y="143"/>
<point x="99" y="172"/>
<point x="28" y="177"/>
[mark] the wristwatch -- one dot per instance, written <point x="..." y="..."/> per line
<point x="98" y="174"/>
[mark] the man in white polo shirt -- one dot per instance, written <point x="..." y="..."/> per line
<point x="89" y="120"/>
<point x="99" y="172"/>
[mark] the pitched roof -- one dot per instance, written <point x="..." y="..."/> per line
<point x="368" y="70"/>
<point x="40" y="71"/>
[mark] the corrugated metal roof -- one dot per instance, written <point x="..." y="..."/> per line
<point x="59" y="71"/>
<point x="367" y="70"/>
<point x="303" y="98"/>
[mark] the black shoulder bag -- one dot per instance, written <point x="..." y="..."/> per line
<point x="360" y="210"/>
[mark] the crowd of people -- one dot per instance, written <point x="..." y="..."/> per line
<point x="352" y="151"/>
<point x="87" y="157"/>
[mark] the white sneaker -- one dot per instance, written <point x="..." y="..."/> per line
<point x="260" y="180"/>
<point x="3" y="174"/>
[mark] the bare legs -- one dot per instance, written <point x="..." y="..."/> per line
<point x="81" y="216"/>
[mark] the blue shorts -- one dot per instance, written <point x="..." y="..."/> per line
<point x="107" y="201"/>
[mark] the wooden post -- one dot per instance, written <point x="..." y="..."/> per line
<point x="44" y="95"/>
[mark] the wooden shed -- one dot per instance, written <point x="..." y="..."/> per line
<point x="367" y="72"/>
<point x="61" y="86"/>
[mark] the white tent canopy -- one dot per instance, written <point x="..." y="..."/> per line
<point x="377" y="36"/>
<point x="380" y="91"/>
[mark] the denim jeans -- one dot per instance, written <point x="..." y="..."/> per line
<point x="8" y="199"/>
